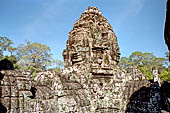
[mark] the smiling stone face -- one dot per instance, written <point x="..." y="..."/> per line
<point x="92" y="41"/>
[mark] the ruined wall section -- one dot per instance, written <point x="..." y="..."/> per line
<point x="72" y="91"/>
<point x="15" y="90"/>
<point x="108" y="94"/>
<point x="47" y="93"/>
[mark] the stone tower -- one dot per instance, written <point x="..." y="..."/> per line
<point x="92" y="41"/>
<point x="91" y="81"/>
<point x="91" y="59"/>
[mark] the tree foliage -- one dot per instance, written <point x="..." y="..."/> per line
<point x="165" y="75"/>
<point x="57" y="66"/>
<point x="14" y="61"/>
<point x="145" y="62"/>
<point x="29" y="56"/>
<point x="34" y="56"/>
<point x="5" y="44"/>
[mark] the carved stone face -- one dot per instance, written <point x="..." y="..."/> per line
<point x="92" y="41"/>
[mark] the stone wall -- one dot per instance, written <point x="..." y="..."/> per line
<point x="15" y="90"/>
<point x="153" y="99"/>
<point x="62" y="93"/>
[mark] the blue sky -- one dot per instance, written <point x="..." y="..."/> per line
<point x="138" y="24"/>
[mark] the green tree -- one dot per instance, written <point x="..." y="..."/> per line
<point x="11" y="50"/>
<point x="5" y="44"/>
<point x="125" y="62"/>
<point x="146" y="72"/>
<point x="14" y="60"/>
<point x="34" y="56"/>
<point x="58" y="65"/>
<point x="147" y="59"/>
<point x="136" y="58"/>
<point x="145" y="62"/>
<point x="165" y="75"/>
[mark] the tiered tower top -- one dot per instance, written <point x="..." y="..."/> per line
<point x="92" y="41"/>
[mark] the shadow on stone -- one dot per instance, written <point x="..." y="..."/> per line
<point x="151" y="99"/>
<point x="2" y="108"/>
<point x="5" y="64"/>
<point x="1" y="76"/>
<point x="137" y="100"/>
<point x="165" y="96"/>
<point x="33" y="91"/>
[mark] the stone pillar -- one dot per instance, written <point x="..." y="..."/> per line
<point x="155" y="75"/>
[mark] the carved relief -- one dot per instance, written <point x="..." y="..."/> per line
<point x="92" y="41"/>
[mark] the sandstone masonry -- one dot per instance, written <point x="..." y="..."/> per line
<point x="91" y="82"/>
